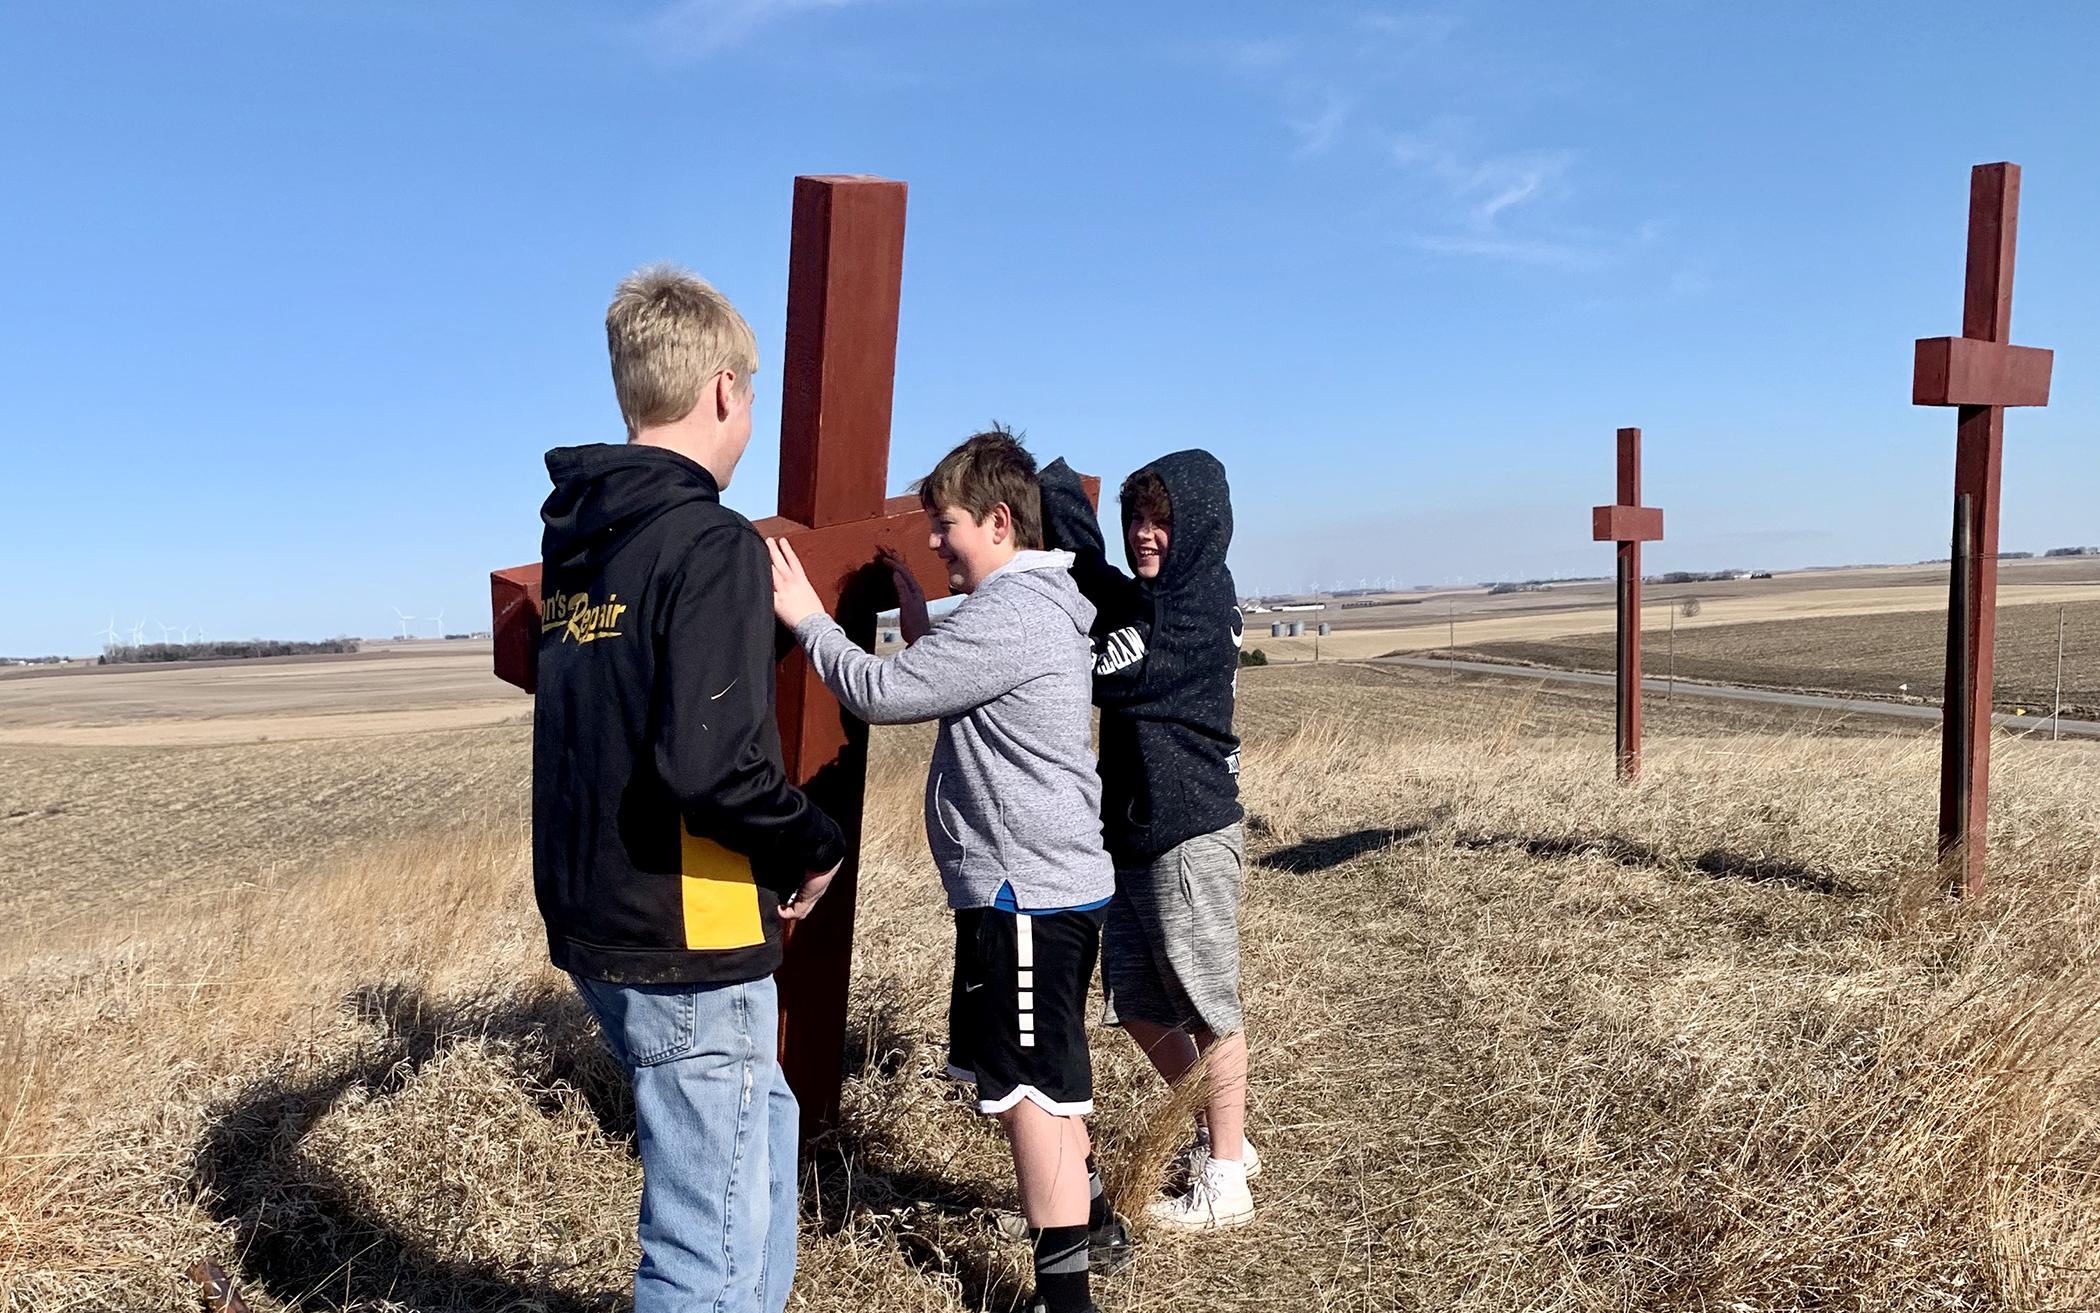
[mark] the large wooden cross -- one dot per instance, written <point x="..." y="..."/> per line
<point x="1629" y="524"/>
<point x="1980" y="374"/>
<point x="845" y="273"/>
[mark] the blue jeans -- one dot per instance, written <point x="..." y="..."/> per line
<point x="717" y="1127"/>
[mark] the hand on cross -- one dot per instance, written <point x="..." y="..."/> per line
<point x="912" y="619"/>
<point x="794" y="600"/>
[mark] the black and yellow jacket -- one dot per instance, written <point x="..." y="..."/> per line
<point x="664" y="831"/>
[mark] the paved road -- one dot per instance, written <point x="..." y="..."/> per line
<point x="1811" y="701"/>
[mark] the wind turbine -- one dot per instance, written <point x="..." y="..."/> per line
<point x="440" y="620"/>
<point x="109" y="635"/>
<point x="404" y="618"/>
<point x="165" y="629"/>
<point x="138" y="634"/>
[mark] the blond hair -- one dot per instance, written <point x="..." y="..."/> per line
<point x="669" y="334"/>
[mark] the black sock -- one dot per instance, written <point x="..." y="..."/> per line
<point x="1097" y="1206"/>
<point x="1060" y="1269"/>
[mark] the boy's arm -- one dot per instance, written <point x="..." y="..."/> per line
<point x="978" y="653"/>
<point x="1128" y="668"/>
<point x="1122" y="625"/>
<point x="1069" y="524"/>
<point x="711" y="742"/>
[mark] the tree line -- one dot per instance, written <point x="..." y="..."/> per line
<point x="125" y="654"/>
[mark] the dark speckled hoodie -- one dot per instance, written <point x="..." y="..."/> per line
<point x="1166" y="659"/>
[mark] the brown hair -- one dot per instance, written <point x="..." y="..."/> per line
<point x="986" y="469"/>
<point x="1145" y="496"/>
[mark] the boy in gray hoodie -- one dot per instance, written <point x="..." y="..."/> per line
<point x="1013" y="815"/>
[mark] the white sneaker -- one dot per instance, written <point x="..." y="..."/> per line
<point x="1214" y="1200"/>
<point x="1197" y="1151"/>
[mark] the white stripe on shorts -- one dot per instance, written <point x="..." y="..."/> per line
<point x="1024" y="953"/>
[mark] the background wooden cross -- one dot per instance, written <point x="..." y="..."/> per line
<point x="1629" y="524"/>
<point x="845" y="273"/>
<point x="1980" y="374"/>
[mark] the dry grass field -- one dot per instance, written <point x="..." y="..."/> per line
<point x="390" y="688"/>
<point x="1856" y="655"/>
<point x="1473" y="617"/>
<point x="1524" y="1038"/>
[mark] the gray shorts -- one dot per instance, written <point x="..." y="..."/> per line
<point x="1170" y="949"/>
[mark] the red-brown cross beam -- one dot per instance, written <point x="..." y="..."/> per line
<point x="1629" y="524"/>
<point x="1980" y="375"/>
<point x="845" y="270"/>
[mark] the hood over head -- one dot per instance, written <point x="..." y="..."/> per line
<point x="605" y="493"/>
<point x="1202" y="532"/>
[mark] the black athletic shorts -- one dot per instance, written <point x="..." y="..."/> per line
<point x="1017" y="1009"/>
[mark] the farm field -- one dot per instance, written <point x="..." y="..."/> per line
<point x="1855" y="655"/>
<point x="1473" y="617"/>
<point x="1523" y="1038"/>
<point x="390" y="688"/>
<point x="237" y="797"/>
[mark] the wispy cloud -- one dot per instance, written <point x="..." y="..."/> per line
<point x="1462" y="185"/>
<point x="697" y="29"/>
<point x="1480" y="186"/>
<point x="1316" y="114"/>
<point x="1319" y="79"/>
<point x="1415" y="29"/>
<point x="1255" y="54"/>
<point x="1514" y="250"/>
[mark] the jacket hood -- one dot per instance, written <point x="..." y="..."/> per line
<point x="1049" y="576"/>
<point x="604" y="494"/>
<point x="1202" y="533"/>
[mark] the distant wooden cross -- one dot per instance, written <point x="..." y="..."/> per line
<point x="1629" y="524"/>
<point x="1980" y="374"/>
<point x="845" y="275"/>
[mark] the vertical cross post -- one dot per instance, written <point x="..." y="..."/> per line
<point x="1628" y="524"/>
<point x="845" y="274"/>
<point x="1979" y="374"/>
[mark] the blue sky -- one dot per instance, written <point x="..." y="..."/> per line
<point x="299" y="290"/>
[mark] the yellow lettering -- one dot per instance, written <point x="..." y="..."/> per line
<point x="578" y="620"/>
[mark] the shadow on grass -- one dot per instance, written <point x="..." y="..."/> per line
<point x="941" y="1225"/>
<point x="1311" y="856"/>
<point x="1720" y="863"/>
<point x="1727" y="864"/>
<point x="307" y="1237"/>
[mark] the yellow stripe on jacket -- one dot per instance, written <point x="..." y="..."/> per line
<point x="721" y="899"/>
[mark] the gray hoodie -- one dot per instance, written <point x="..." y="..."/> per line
<point x="1012" y="795"/>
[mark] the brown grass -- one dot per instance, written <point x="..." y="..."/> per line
<point x="93" y="836"/>
<point x="1522" y="1039"/>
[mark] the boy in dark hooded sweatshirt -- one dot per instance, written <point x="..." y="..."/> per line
<point x="667" y="843"/>
<point x="1166" y="661"/>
